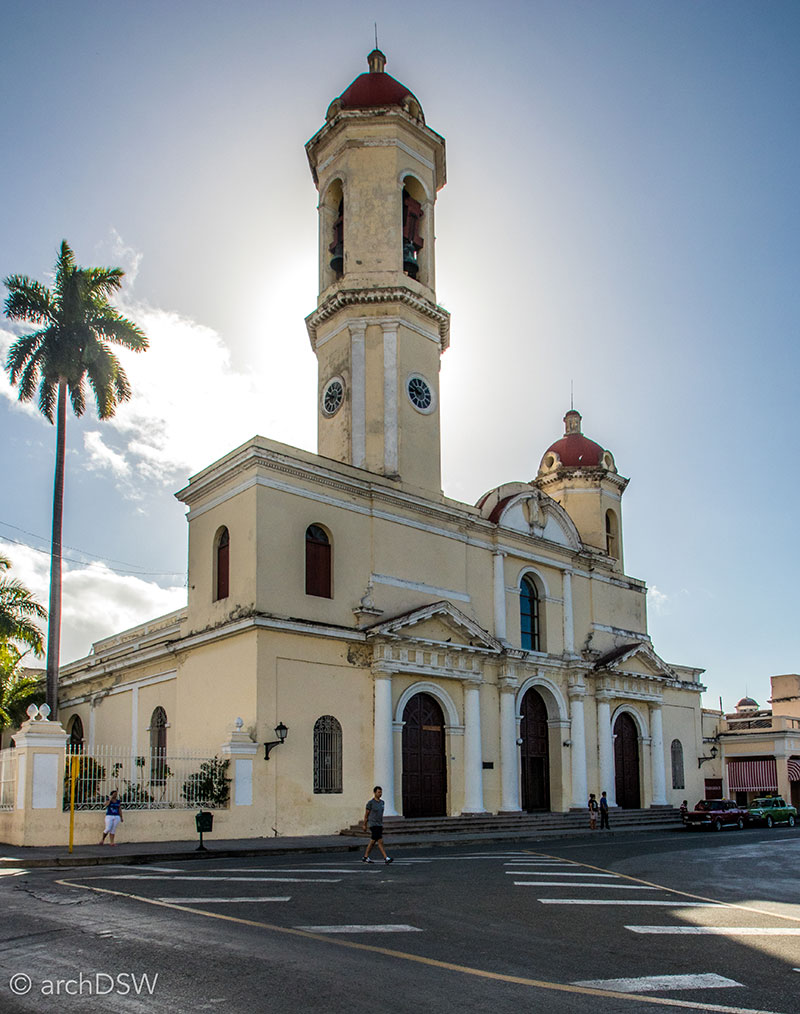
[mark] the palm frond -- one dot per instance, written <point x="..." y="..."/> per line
<point x="103" y="281"/>
<point x="115" y="328"/>
<point x="28" y="300"/>
<point x="19" y="353"/>
<point x="77" y="395"/>
<point x="48" y="397"/>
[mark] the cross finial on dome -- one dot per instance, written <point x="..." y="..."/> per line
<point x="376" y="61"/>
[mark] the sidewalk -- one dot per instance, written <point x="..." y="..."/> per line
<point x="134" y="853"/>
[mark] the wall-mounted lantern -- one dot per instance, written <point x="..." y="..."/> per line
<point x="281" y="732"/>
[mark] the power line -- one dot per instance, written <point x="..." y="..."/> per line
<point x="131" y="569"/>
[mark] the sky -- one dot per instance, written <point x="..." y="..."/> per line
<point x="620" y="219"/>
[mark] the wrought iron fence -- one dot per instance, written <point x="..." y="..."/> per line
<point x="151" y="781"/>
<point x="8" y="778"/>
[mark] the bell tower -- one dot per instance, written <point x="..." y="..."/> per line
<point x="377" y="331"/>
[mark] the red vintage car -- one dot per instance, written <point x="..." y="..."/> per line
<point x="716" y="813"/>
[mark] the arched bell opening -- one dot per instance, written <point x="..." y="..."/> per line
<point x="331" y="228"/>
<point x="415" y="254"/>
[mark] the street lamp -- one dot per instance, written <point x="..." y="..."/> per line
<point x="713" y="753"/>
<point x="281" y="732"/>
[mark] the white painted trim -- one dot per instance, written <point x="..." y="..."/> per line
<point x="369" y="321"/>
<point x="405" y="173"/>
<point x="441" y="695"/>
<point x="390" y="406"/>
<point x="536" y="682"/>
<point x="641" y="724"/>
<point x="527" y="569"/>
<point x="358" y="412"/>
<point x="428" y="589"/>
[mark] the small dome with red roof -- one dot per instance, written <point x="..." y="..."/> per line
<point x="376" y="90"/>
<point x="574" y="450"/>
<point x="747" y="704"/>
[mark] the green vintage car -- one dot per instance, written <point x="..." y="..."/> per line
<point x="771" y="810"/>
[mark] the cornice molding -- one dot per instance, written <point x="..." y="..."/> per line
<point x="345" y="298"/>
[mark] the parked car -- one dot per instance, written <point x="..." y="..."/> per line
<point x="771" y="810"/>
<point x="716" y="813"/>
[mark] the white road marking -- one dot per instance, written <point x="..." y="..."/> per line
<point x="654" y="983"/>
<point x="629" y="901"/>
<point x="386" y="928"/>
<point x="287" y="869"/>
<point x="560" y="873"/>
<point x="721" y="931"/>
<point x="220" y="901"/>
<point x="220" y="880"/>
<point x="573" y="885"/>
<point x="540" y="862"/>
<point x="161" y="869"/>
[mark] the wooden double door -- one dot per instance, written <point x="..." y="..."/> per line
<point x="424" y="758"/>
<point x="534" y="753"/>
<point x="626" y="763"/>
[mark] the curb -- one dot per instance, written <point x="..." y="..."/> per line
<point x="194" y="854"/>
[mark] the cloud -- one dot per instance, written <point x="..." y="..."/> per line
<point x="102" y="457"/>
<point x="659" y="601"/>
<point x="96" y="602"/>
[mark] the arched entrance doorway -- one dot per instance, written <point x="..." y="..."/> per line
<point x="626" y="762"/>
<point x="534" y="753"/>
<point x="424" y="764"/>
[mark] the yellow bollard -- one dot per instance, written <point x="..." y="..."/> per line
<point x="75" y="767"/>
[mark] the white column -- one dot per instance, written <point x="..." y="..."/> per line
<point x="657" y="756"/>
<point x="384" y="741"/>
<point x="390" y="435"/>
<point x="509" y="751"/>
<point x="499" y="596"/>
<point x="135" y="721"/>
<point x="577" y="735"/>
<point x="605" y="751"/>
<point x="569" y="624"/>
<point x="473" y="754"/>
<point x="358" y="394"/>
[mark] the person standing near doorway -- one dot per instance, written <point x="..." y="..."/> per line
<point x="604" y="812"/>
<point x="373" y="822"/>
<point x="592" y="806"/>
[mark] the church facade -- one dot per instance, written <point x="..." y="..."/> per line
<point x="468" y="658"/>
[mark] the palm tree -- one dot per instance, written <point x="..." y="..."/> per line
<point x="18" y="610"/>
<point x="76" y="323"/>
<point x="18" y="687"/>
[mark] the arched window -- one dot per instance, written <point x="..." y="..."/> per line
<point x="318" y="562"/>
<point x="158" y="746"/>
<point x="327" y="755"/>
<point x="612" y="535"/>
<point x="75" y="743"/>
<point x="676" y="752"/>
<point x="413" y="242"/>
<point x="529" y="615"/>
<point x="222" y="565"/>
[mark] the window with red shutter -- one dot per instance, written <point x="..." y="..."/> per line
<point x="318" y="562"/>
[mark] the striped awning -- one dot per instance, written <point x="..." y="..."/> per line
<point x="753" y="775"/>
<point x="794" y="770"/>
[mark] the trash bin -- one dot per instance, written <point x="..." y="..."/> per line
<point x="204" y="821"/>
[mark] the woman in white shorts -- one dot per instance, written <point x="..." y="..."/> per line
<point x="113" y="817"/>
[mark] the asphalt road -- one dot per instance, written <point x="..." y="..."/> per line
<point x="621" y="922"/>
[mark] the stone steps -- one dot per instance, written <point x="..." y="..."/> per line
<point x="521" y="823"/>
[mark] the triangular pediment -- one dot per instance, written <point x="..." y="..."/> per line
<point x="636" y="659"/>
<point x="439" y="623"/>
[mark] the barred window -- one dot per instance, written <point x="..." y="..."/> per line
<point x="327" y="755"/>
<point x="676" y="750"/>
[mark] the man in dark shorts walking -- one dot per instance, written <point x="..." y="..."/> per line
<point x="373" y="822"/>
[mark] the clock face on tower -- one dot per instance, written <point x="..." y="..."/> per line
<point x="419" y="393"/>
<point x="332" y="396"/>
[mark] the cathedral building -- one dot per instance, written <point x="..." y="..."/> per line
<point x="470" y="659"/>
